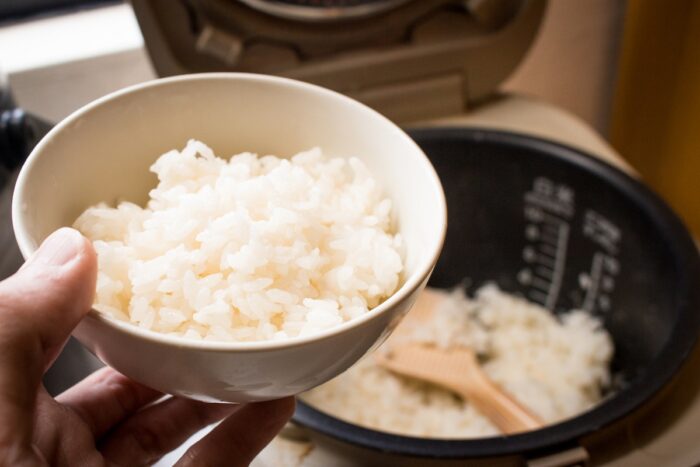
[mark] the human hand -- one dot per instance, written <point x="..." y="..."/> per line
<point x="106" y="418"/>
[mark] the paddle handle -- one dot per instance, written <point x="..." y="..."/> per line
<point x="497" y="405"/>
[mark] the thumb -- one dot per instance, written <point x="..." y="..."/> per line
<point x="39" y="307"/>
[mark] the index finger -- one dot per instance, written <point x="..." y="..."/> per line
<point x="105" y="398"/>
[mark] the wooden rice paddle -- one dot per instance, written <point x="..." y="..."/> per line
<point x="458" y="370"/>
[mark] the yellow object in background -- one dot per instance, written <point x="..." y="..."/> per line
<point x="656" y="112"/>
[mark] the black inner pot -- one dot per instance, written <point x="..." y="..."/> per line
<point x="565" y="230"/>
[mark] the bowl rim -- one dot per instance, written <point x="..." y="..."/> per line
<point x="682" y="340"/>
<point x="412" y="282"/>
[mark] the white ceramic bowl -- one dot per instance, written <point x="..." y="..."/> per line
<point x="103" y="151"/>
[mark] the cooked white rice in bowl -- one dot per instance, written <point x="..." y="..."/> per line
<point x="557" y="366"/>
<point x="249" y="249"/>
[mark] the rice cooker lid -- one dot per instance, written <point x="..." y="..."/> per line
<point x="322" y="10"/>
<point x="437" y="55"/>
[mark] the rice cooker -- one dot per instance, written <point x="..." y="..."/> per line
<point x="410" y="59"/>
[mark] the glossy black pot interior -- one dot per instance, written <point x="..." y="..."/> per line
<point x="568" y="231"/>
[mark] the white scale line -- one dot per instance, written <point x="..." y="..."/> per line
<point x="549" y="239"/>
<point x="544" y="272"/>
<point x="548" y="249"/>
<point x="559" y="266"/>
<point x="549" y="204"/>
<point x="552" y="219"/>
<point x="541" y="284"/>
<point x="596" y="273"/>
<point x="553" y="228"/>
<point x="538" y="296"/>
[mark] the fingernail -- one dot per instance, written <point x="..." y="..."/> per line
<point x="60" y="247"/>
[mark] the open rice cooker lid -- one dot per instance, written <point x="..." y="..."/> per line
<point x="409" y="59"/>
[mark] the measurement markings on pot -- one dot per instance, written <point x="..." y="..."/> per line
<point x="548" y="207"/>
<point x="593" y="284"/>
<point x="599" y="282"/>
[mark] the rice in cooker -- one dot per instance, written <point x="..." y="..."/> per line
<point x="556" y="366"/>
<point x="246" y="249"/>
